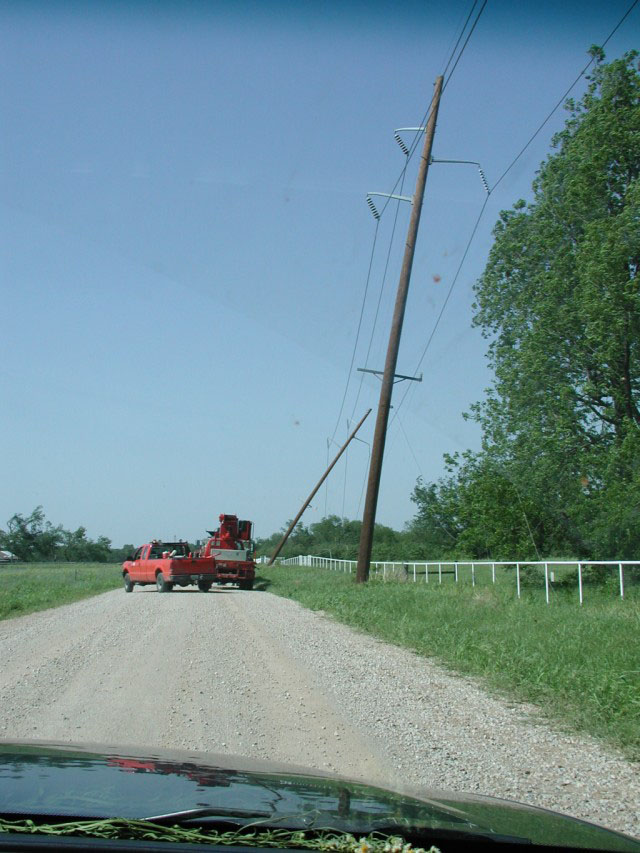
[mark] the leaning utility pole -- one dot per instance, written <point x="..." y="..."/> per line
<point x="379" y="438"/>
<point x="317" y="486"/>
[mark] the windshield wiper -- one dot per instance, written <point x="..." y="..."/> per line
<point x="210" y="811"/>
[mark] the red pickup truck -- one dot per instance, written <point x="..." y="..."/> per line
<point x="166" y="564"/>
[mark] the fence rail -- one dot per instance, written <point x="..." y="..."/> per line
<point x="457" y="568"/>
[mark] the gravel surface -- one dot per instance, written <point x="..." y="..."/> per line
<point x="248" y="673"/>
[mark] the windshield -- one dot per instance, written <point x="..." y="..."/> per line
<point x="216" y="219"/>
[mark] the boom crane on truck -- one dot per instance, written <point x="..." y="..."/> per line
<point x="232" y="548"/>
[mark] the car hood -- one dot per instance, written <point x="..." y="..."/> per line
<point x="44" y="778"/>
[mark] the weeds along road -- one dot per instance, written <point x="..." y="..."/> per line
<point x="252" y="674"/>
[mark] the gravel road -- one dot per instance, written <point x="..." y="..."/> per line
<point x="252" y="674"/>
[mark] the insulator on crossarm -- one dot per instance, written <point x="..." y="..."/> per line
<point x="400" y="142"/>
<point x="484" y="181"/>
<point x="373" y="208"/>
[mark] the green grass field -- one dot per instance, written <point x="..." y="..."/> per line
<point x="27" y="587"/>
<point x="581" y="665"/>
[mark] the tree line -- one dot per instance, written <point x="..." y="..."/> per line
<point x="32" y="538"/>
<point x="338" y="538"/>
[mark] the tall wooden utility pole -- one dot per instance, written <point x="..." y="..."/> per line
<point x="380" y="435"/>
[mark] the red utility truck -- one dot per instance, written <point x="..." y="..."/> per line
<point x="166" y="564"/>
<point x="231" y="548"/>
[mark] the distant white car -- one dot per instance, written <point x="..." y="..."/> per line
<point x="8" y="557"/>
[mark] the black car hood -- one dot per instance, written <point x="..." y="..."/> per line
<point x="90" y="781"/>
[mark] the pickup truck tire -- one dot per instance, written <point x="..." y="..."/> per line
<point x="245" y="584"/>
<point x="161" y="584"/>
<point x="204" y="586"/>
<point x="128" y="583"/>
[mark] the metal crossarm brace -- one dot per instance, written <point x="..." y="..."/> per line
<point x="397" y="377"/>
<point x="471" y="163"/>
<point x="374" y="209"/>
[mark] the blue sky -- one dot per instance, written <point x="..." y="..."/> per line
<point x="185" y="244"/>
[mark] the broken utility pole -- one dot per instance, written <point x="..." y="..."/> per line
<point x="377" y="450"/>
<point x="321" y="481"/>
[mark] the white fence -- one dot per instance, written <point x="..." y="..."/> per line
<point x="413" y="570"/>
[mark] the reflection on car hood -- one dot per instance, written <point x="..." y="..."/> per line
<point x="97" y="781"/>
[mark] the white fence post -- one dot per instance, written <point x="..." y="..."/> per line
<point x="473" y="574"/>
<point x="439" y="572"/>
<point x="546" y="581"/>
<point x="621" y="581"/>
<point x="456" y="571"/>
<point x="518" y="578"/>
<point x="493" y="572"/>
<point x="580" y="582"/>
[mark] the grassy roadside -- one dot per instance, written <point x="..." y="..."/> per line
<point x="581" y="665"/>
<point x="27" y="587"/>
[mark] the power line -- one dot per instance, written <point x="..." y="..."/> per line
<point x="444" y="73"/>
<point x="382" y="285"/>
<point x="364" y="479"/>
<point x="562" y="99"/>
<point x="406" y="438"/>
<point x="355" y="345"/>
<point x="465" y="44"/>
<point x="375" y="319"/>
<point x="444" y="304"/>
<point x="399" y="180"/>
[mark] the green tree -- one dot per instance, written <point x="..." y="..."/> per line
<point x="75" y="547"/>
<point x="31" y="537"/>
<point x="119" y="555"/>
<point x="559" y="301"/>
<point x="478" y="512"/>
<point x="335" y="537"/>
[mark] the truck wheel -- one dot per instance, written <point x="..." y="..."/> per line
<point x="162" y="584"/>
<point x="245" y="584"/>
<point x="204" y="586"/>
<point x="128" y="583"/>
